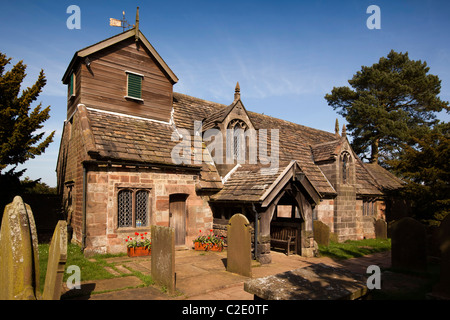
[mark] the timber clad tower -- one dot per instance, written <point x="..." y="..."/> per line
<point x="117" y="175"/>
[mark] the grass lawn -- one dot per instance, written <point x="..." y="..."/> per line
<point x="352" y="249"/>
<point x="90" y="270"/>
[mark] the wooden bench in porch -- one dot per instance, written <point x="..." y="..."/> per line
<point x="284" y="237"/>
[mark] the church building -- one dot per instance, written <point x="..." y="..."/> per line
<point x="135" y="153"/>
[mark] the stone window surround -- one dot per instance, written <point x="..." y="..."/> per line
<point x="134" y="187"/>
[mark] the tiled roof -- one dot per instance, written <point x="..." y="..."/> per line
<point x="247" y="184"/>
<point x="365" y="183"/>
<point x="325" y="151"/>
<point x="384" y="178"/>
<point x="126" y="138"/>
<point x="130" y="139"/>
<point x="294" y="143"/>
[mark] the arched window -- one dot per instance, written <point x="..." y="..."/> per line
<point x="238" y="128"/>
<point x="346" y="159"/>
<point x="133" y="208"/>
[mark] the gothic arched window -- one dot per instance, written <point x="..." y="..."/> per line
<point x="238" y="128"/>
<point x="345" y="167"/>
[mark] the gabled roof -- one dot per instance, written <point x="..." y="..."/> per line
<point x="294" y="144"/>
<point x="118" y="137"/>
<point x="325" y="151"/>
<point x="219" y="116"/>
<point x="83" y="53"/>
<point x="247" y="184"/>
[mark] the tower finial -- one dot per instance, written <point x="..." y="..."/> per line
<point x="136" y="26"/>
<point x="344" y="131"/>
<point x="237" y="92"/>
<point x="336" y="128"/>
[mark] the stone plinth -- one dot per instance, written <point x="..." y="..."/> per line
<point x="316" y="282"/>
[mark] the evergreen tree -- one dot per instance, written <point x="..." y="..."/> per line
<point x="388" y="104"/>
<point x="426" y="168"/>
<point x="19" y="141"/>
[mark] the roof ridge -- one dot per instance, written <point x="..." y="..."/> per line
<point x="200" y="99"/>
<point x="250" y="112"/>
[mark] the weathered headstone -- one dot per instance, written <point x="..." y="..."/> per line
<point x="321" y="233"/>
<point x="380" y="229"/>
<point x="19" y="260"/>
<point x="239" y="255"/>
<point x="442" y="288"/>
<point x="408" y="243"/>
<point x="57" y="258"/>
<point x="163" y="257"/>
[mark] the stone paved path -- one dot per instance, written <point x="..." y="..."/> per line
<point x="203" y="275"/>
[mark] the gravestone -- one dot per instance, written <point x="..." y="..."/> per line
<point x="19" y="260"/>
<point x="380" y="229"/>
<point x="408" y="243"/>
<point x="57" y="258"/>
<point x="163" y="257"/>
<point x="239" y="255"/>
<point x="321" y="233"/>
<point x="442" y="288"/>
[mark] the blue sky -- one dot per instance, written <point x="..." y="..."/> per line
<point x="286" y="55"/>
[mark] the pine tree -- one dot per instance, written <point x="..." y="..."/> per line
<point x="19" y="141"/>
<point x="426" y="169"/>
<point x="388" y="104"/>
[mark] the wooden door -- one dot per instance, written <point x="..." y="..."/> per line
<point x="177" y="213"/>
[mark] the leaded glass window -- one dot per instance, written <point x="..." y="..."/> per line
<point x="125" y="205"/>
<point x="133" y="208"/>
<point x="142" y="208"/>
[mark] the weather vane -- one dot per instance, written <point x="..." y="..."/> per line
<point x="120" y="23"/>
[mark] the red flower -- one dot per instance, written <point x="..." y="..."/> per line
<point x="211" y="230"/>
<point x="142" y="238"/>
<point x="136" y="233"/>
<point x="146" y="233"/>
<point x="126" y="240"/>
<point x="200" y="231"/>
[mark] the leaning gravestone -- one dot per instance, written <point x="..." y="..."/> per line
<point x="163" y="257"/>
<point x="408" y="245"/>
<point x="57" y="258"/>
<point x="239" y="255"/>
<point x="321" y="233"/>
<point x="442" y="289"/>
<point x="380" y="229"/>
<point x="19" y="260"/>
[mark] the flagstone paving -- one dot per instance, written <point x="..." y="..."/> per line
<point x="203" y="275"/>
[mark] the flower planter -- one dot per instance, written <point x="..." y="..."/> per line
<point x="200" y="246"/>
<point x="139" y="251"/>
<point x="205" y="247"/>
<point x="216" y="248"/>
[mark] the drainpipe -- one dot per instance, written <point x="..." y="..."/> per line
<point x="83" y="219"/>
<point x="255" y="251"/>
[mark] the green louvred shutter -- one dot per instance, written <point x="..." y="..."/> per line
<point x="134" y="86"/>
<point x="71" y="85"/>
